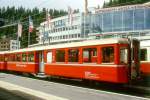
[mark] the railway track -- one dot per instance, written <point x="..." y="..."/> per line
<point x="134" y="90"/>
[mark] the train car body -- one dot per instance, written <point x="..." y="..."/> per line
<point x="101" y="60"/>
<point x="145" y="57"/>
<point x="109" y="60"/>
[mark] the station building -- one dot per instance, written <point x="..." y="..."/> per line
<point x="61" y="29"/>
<point x="111" y="22"/>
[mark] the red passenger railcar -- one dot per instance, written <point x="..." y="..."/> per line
<point x="100" y="60"/>
<point x="109" y="60"/>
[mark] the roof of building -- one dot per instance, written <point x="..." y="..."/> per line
<point x="120" y="8"/>
<point x="147" y="4"/>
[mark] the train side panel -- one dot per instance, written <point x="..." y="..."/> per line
<point x="23" y="67"/>
<point x="145" y="68"/>
<point x="2" y="65"/>
<point x="110" y="73"/>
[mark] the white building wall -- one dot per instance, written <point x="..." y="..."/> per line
<point x="14" y="44"/>
<point x="61" y="30"/>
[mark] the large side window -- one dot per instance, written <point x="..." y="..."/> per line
<point x="18" y="57"/>
<point x="1" y="58"/>
<point x="31" y="57"/>
<point x="123" y="55"/>
<point x="24" y="57"/>
<point x="49" y="57"/>
<point x="11" y="57"/>
<point x="90" y="55"/>
<point x="60" y="55"/>
<point x="143" y="55"/>
<point x="107" y="55"/>
<point x="73" y="55"/>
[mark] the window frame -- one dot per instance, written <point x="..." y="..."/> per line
<point x="107" y="46"/>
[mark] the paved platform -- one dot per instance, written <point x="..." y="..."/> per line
<point x="56" y="91"/>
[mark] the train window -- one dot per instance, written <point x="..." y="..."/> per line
<point x="1" y="58"/>
<point x="90" y="55"/>
<point x="31" y="57"/>
<point x="60" y="56"/>
<point x="107" y="55"/>
<point x="24" y="57"/>
<point x="11" y="57"/>
<point x="94" y="52"/>
<point x="123" y="55"/>
<point x="143" y="55"/>
<point x="73" y="55"/>
<point x="49" y="57"/>
<point x="18" y="57"/>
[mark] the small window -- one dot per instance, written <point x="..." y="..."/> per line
<point x="143" y="55"/>
<point x="123" y="55"/>
<point x="73" y="55"/>
<point x="108" y="55"/>
<point x="60" y="56"/>
<point x="49" y="57"/>
<point x="24" y="57"/>
<point x="31" y="57"/>
<point x="94" y="52"/>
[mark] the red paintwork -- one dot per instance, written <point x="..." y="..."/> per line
<point x="94" y="59"/>
<point x="145" y="68"/>
<point x="99" y="73"/>
<point x="22" y="67"/>
<point x="2" y="66"/>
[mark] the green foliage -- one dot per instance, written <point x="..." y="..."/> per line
<point x="112" y="3"/>
<point x="13" y="15"/>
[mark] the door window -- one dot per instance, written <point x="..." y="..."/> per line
<point x="123" y="55"/>
<point x="49" y="57"/>
<point x="143" y="55"/>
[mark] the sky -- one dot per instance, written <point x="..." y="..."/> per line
<point x="57" y="4"/>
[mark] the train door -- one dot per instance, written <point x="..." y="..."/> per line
<point x="135" y="59"/>
<point x="41" y="62"/>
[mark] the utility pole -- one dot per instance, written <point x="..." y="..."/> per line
<point x="86" y="7"/>
<point x="85" y="15"/>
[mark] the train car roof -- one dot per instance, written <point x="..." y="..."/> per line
<point x="71" y="45"/>
<point x="145" y="43"/>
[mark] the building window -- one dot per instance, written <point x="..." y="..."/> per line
<point x="107" y="55"/>
<point x="60" y="56"/>
<point x="73" y="55"/>
<point x="143" y="55"/>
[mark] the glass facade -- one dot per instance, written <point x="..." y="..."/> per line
<point x="134" y="18"/>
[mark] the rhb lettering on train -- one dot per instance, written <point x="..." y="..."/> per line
<point x="20" y="65"/>
<point x="91" y="75"/>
